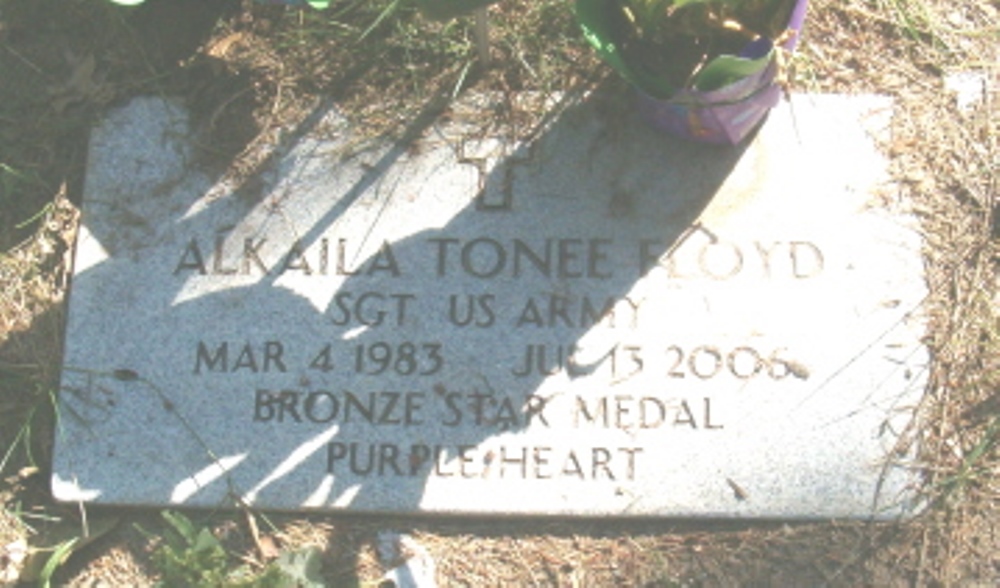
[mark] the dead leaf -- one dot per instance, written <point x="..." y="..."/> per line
<point x="738" y="492"/>
<point x="221" y="47"/>
<point x="268" y="547"/>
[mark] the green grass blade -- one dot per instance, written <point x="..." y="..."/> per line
<point x="61" y="553"/>
<point x="381" y="17"/>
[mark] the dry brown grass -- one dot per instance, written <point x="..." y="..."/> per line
<point x="262" y="68"/>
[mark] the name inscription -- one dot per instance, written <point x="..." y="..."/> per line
<point x="428" y="400"/>
<point x="490" y="258"/>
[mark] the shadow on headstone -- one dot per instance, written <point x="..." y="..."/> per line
<point x="368" y="320"/>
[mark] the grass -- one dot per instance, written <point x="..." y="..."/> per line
<point x="27" y="415"/>
<point x="407" y="58"/>
<point x="256" y="68"/>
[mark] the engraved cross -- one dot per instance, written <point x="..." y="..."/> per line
<point x="495" y="160"/>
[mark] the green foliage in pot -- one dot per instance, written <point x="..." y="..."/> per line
<point x="663" y="46"/>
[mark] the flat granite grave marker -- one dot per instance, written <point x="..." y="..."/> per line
<point x="598" y="321"/>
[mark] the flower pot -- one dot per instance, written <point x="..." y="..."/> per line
<point x="723" y="115"/>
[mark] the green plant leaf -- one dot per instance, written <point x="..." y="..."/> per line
<point x="59" y="555"/>
<point x="726" y="69"/>
<point x="445" y="9"/>
<point x="594" y="20"/>
<point x="302" y="567"/>
<point x="205" y="541"/>
<point x="181" y="524"/>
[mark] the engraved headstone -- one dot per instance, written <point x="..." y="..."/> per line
<point x="592" y="320"/>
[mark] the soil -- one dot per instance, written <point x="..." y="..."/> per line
<point x="248" y="70"/>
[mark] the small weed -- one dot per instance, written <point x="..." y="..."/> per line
<point x="193" y="556"/>
<point x="190" y="557"/>
<point x="974" y="465"/>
